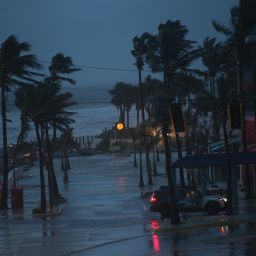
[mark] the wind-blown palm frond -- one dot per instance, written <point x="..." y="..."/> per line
<point x="62" y="65"/>
<point x="221" y="28"/>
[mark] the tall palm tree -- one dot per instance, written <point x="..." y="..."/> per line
<point x="207" y="102"/>
<point x="42" y="105"/>
<point x="242" y="20"/>
<point x="60" y="67"/>
<point x="139" y="53"/>
<point x="172" y="53"/>
<point x="162" y="103"/>
<point x="15" y="69"/>
<point x="214" y="55"/>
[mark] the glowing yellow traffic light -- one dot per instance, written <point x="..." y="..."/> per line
<point x="119" y="126"/>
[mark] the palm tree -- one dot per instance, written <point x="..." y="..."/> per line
<point x="124" y="96"/>
<point x="61" y="66"/>
<point x="211" y="54"/>
<point x="171" y="53"/>
<point x="214" y="54"/>
<point x="162" y="103"/>
<point x="66" y="138"/>
<point x="242" y="19"/>
<point x="15" y="69"/>
<point x="226" y="92"/>
<point x="139" y="52"/>
<point x="44" y="104"/>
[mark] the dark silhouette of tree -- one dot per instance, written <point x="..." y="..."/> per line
<point x="242" y="21"/>
<point x="124" y="96"/>
<point x="171" y="53"/>
<point x="42" y="105"/>
<point x="162" y="103"/>
<point x="139" y="53"/>
<point x="15" y="69"/>
<point x="61" y="67"/>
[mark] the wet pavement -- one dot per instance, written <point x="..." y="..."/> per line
<point x="104" y="215"/>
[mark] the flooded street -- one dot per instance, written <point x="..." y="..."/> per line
<point x="104" y="215"/>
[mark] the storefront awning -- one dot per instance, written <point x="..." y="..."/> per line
<point x="206" y="160"/>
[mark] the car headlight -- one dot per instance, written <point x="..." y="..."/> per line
<point x="223" y="199"/>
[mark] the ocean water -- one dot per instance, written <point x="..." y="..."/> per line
<point x="94" y="112"/>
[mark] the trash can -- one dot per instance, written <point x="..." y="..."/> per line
<point x="17" y="197"/>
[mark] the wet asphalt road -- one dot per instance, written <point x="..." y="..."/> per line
<point x="104" y="215"/>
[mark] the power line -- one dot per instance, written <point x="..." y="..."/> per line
<point x="94" y="67"/>
<point x="78" y="103"/>
<point x="87" y="89"/>
<point x="102" y="68"/>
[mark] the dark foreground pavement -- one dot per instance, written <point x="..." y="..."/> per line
<point x="104" y="215"/>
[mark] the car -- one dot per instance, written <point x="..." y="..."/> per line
<point x="187" y="199"/>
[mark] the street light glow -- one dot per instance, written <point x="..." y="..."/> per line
<point x="120" y="126"/>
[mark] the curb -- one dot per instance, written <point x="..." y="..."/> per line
<point x="187" y="227"/>
<point x="54" y="212"/>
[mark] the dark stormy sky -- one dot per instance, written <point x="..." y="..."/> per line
<point x="100" y="32"/>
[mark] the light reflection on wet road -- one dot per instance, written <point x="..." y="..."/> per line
<point x="105" y="216"/>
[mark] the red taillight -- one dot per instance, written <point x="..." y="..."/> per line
<point x="153" y="199"/>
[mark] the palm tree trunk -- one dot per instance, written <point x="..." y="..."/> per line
<point x="182" y="179"/>
<point x="175" y="219"/>
<point x="216" y="127"/>
<point x="62" y="163"/>
<point x="154" y="160"/>
<point x="51" y="172"/>
<point x="123" y="114"/>
<point x="4" y="197"/>
<point x="141" y="182"/>
<point x="149" y="171"/>
<point x="157" y="153"/>
<point x="65" y="166"/>
<point x="20" y="139"/>
<point x="229" y="207"/>
<point x="65" y="163"/>
<point x="41" y="165"/>
<point x="54" y="136"/>
<point x="134" y="153"/>
<point x="68" y="164"/>
<point x="150" y="181"/>
<point x="127" y="118"/>
<point x="211" y="86"/>
<point x="240" y="68"/>
<point x="138" y="116"/>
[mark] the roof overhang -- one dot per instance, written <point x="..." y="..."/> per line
<point x="206" y="160"/>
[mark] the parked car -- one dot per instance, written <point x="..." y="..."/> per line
<point x="188" y="199"/>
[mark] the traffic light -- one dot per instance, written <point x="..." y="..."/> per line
<point x="119" y="126"/>
<point x="177" y="118"/>
<point x="235" y="114"/>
